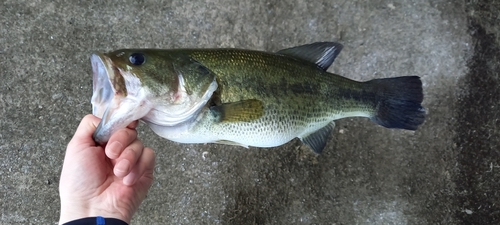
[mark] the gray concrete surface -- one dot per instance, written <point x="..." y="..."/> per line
<point x="447" y="172"/>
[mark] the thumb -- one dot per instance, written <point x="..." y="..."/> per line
<point x="83" y="134"/>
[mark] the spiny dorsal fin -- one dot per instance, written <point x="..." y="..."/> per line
<point x="320" y="53"/>
<point x="317" y="140"/>
<point x="242" y="111"/>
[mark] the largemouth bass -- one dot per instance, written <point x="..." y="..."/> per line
<point x="243" y="97"/>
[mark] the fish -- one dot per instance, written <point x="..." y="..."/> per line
<point x="244" y="97"/>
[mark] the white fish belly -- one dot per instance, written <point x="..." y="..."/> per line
<point x="268" y="131"/>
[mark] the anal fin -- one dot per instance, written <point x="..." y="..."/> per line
<point x="317" y="140"/>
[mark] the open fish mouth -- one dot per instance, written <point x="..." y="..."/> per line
<point x="103" y="91"/>
<point x="118" y="98"/>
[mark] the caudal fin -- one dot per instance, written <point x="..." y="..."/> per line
<point x="399" y="102"/>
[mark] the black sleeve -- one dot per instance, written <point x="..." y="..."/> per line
<point x="96" y="221"/>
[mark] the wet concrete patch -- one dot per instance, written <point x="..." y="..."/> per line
<point x="478" y="121"/>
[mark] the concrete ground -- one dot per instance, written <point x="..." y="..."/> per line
<point x="447" y="172"/>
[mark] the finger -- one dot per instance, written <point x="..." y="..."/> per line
<point x="118" y="141"/>
<point x="83" y="134"/>
<point x="128" y="158"/>
<point x="133" y="125"/>
<point x="144" y="167"/>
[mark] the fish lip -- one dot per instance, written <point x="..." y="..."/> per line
<point x="102" y="90"/>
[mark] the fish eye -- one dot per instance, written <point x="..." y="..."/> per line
<point x="137" y="59"/>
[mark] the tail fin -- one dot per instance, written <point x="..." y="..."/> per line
<point x="399" y="102"/>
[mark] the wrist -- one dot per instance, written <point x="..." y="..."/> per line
<point x="75" y="212"/>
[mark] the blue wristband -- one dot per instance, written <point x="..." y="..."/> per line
<point x="96" y="221"/>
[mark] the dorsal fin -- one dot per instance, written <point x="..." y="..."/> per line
<point x="320" y="53"/>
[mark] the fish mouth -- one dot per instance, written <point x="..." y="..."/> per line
<point x="118" y="98"/>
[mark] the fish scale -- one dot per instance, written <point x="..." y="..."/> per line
<point x="306" y="107"/>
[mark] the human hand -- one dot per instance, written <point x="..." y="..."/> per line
<point x="108" y="181"/>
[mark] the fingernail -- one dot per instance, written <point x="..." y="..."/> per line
<point x="114" y="149"/>
<point x="122" y="167"/>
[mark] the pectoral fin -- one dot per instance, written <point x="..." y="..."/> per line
<point x="242" y="111"/>
<point x="317" y="140"/>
